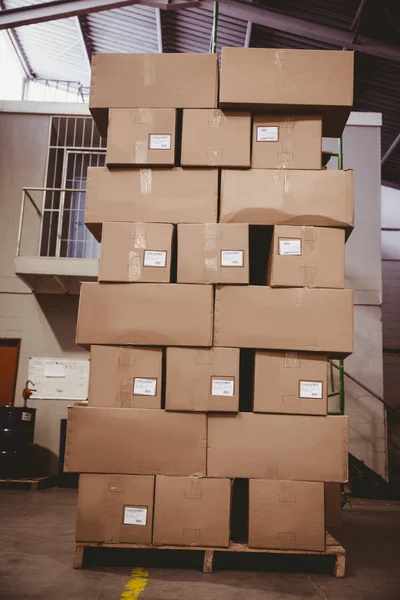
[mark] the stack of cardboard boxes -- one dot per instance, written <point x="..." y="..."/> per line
<point x="169" y="322"/>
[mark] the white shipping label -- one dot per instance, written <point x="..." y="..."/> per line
<point x="311" y="389"/>
<point x="135" y="516"/>
<point x="144" y="387"/>
<point x="222" y="387"/>
<point x="290" y="247"/>
<point x="155" y="258"/>
<point x="160" y="142"/>
<point x="267" y="134"/>
<point x="231" y="258"/>
<point x="26" y="416"/>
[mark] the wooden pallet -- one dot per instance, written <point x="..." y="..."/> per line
<point x="33" y="483"/>
<point x="333" y="548"/>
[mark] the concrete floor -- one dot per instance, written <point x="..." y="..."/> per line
<point x="37" y="544"/>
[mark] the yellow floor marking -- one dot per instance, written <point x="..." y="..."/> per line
<point x="136" y="584"/>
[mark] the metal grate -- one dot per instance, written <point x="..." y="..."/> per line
<point x="74" y="146"/>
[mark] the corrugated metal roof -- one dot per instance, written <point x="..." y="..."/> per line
<point x="130" y="29"/>
<point x="55" y="50"/>
<point x="189" y="30"/>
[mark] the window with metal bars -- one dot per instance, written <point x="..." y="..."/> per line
<point x="74" y="146"/>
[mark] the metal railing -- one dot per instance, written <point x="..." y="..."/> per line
<point x="52" y="224"/>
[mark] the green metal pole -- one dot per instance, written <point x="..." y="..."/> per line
<point x="331" y="377"/>
<point x="341" y="387"/>
<point x="340" y="154"/>
<point x="213" y="41"/>
<point x="341" y="362"/>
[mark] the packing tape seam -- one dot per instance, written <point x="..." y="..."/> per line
<point x="144" y="116"/>
<point x="280" y="58"/>
<point x="149" y="75"/>
<point x="140" y="152"/>
<point x="216" y="118"/>
<point x="210" y="246"/>
<point x="134" y="266"/>
<point x="146" y="181"/>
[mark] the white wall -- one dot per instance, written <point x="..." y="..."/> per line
<point x="45" y="324"/>
<point x="367" y="414"/>
<point x="391" y="293"/>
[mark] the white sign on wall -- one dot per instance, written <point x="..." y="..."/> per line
<point x="66" y="379"/>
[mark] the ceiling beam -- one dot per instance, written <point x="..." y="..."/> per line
<point x="312" y="31"/>
<point x="14" y="41"/>
<point x="159" y="30"/>
<point x="355" y="26"/>
<point x="61" y="9"/>
<point x="247" y="39"/>
<point x="389" y="151"/>
<point x="85" y="46"/>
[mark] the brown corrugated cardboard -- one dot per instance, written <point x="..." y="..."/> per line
<point x="291" y="447"/>
<point x="135" y="441"/>
<point x="145" y="314"/>
<point x="141" y="136"/>
<point x="286" y="142"/>
<point x="150" y="195"/>
<point x="308" y="81"/>
<point x="153" y="81"/>
<point x="216" y="138"/>
<point x="333" y="504"/>
<point x="286" y="515"/>
<point x="125" y="377"/>
<point x="202" y="379"/>
<point x="291" y="383"/>
<point x="306" y="257"/>
<point x="136" y="252"/>
<point x="115" y="508"/>
<point x="192" y="511"/>
<point x="287" y="197"/>
<point x="213" y="253"/>
<point x="284" y="319"/>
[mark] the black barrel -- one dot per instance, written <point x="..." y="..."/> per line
<point x="17" y="428"/>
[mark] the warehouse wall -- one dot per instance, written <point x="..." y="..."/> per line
<point x="391" y="324"/>
<point x="364" y="383"/>
<point x="391" y="293"/>
<point x="45" y="324"/>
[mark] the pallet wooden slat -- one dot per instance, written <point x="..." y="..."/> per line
<point x="333" y="548"/>
<point x="31" y="483"/>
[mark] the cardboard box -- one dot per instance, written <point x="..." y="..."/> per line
<point x="333" y="504"/>
<point x="284" y="319"/>
<point x="124" y="377"/>
<point x="308" y="81"/>
<point x="294" y="447"/>
<point x="115" y="509"/>
<point x="291" y="383"/>
<point x="306" y="257"/>
<point x="141" y="136"/>
<point x="216" y="138"/>
<point x="150" y="195"/>
<point x="286" y="515"/>
<point x="145" y="314"/>
<point x="287" y="142"/>
<point x="213" y="253"/>
<point x="135" y="441"/>
<point x="136" y="252"/>
<point x="287" y="197"/>
<point x="202" y="379"/>
<point x="153" y="81"/>
<point x="192" y="511"/>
